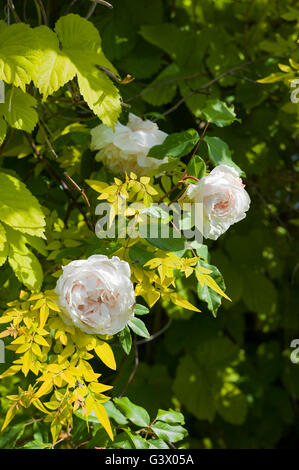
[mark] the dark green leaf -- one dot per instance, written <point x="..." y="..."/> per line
<point x="114" y="413"/>
<point x="136" y="414"/>
<point x="9" y="438"/>
<point x="196" y="167"/>
<point x="125" y="339"/>
<point x="208" y="295"/>
<point x="175" y="145"/>
<point x="170" y="416"/>
<point x="138" y="327"/>
<point x="217" y="112"/>
<point x="168" y="432"/>
<point x="219" y="153"/>
<point x="140" y="310"/>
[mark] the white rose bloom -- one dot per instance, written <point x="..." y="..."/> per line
<point x="125" y="149"/>
<point x="96" y="294"/>
<point x="223" y="197"/>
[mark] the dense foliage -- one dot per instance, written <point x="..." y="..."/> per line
<point x="205" y="361"/>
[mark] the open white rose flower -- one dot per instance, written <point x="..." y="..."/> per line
<point x="96" y="294"/>
<point x="125" y="149"/>
<point x="223" y="197"/>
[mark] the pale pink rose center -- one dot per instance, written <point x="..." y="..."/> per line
<point x="222" y="205"/>
<point x="92" y="307"/>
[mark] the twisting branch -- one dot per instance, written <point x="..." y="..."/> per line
<point x="80" y="190"/>
<point x="57" y="177"/>
<point x="95" y="4"/>
<point x="155" y="335"/>
<point x="201" y="138"/>
<point x="41" y="5"/>
<point x="7" y="141"/>
<point x="11" y="7"/>
<point x="134" y="369"/>
<point x="149" y="89"/>
<point x="103" y="2"/>
<point x="125" y="81"/>
<point x="206" y="85"/>
<point x="184" y="175"/>
<point x="70" y="6"/>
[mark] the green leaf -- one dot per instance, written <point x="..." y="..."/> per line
<point x="139" y="255"/>
<point x="122" y="441"/>
<point x="9" y="438"/>
<point x="125" y="339"/>
<point x="218" y="113"/>
<point x="77" y="33"/>
<point x="3" y="129"/>
<point x="157" y="93"/>
<point x="200" y="399"/>
<point x="140" y="310"/>
<point x="170" y="416"/>
<point x="157" y="444"/>
<point x="173" y="241"/>
<point x="168" y="432"/>
<point x="138" y="327"/>
<point x="19" y="208"/>
<point x="18" y="110"/>
<point x="138" y="441"/>
<point x="175" y="145"/>
<point x="136" y="414"/>
<point x="114" y="413"/>
<point x="91" y="417"/>
<point x="208" y="295"/>
<point x="99" y="93"/>
<point x="81" y="43"/>
<point x="24" y="263"/>
<point x="36" y="444"/>
<point x="264" y="300"/>
<point x="232" y="405"/>
<point x="143" y="62"/>
<point x="196" y="167"/>
<point x="168" y="37"/>
<point x="219" y="153"/>
<point x="156" y="212"/>
<point x="55" y="68"/>
<point x="18" y="54"/>
<point x="3" y="245"/>
<point x="100" y="438"/>
<point x="202" y="374"/>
